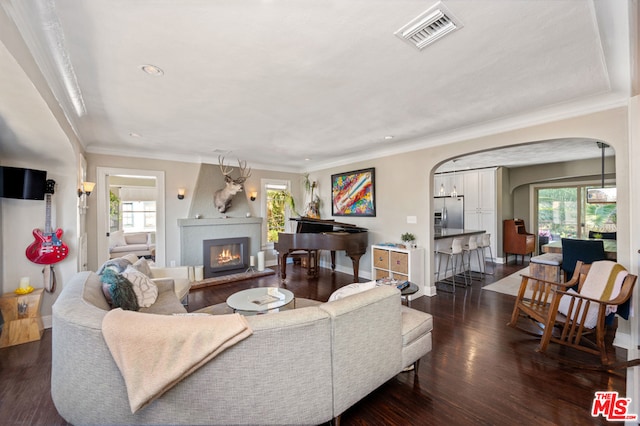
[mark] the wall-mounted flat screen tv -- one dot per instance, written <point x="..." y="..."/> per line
<point x="24" y="184"/>
<point x="601" y="195"/>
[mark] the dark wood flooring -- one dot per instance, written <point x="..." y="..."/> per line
<point x="480" y="372"/>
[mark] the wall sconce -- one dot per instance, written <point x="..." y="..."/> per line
<point x="181" y="192"/>
<point x="86" y="188"/>
<point x="253" y="195"/>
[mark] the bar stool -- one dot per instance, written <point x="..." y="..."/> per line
<point x="453" y="254"/>
<point x="484" y="244"/>
<point x="472" y="247"/>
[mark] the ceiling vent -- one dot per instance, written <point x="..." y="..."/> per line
<point x="429" y="26"/>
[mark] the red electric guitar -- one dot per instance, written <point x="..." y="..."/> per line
<point x="48" y="248"/>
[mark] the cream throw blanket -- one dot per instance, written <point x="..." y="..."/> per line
<point x="603" y="282"/>
<point x="154" y="352"/>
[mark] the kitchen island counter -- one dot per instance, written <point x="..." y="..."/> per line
<point x="454" y="232"/>
<point x="445" y="267"/>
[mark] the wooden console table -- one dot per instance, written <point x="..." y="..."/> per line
<point x="22" y="320"/>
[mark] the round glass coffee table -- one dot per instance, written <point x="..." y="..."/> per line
<point x="260" y="300"/>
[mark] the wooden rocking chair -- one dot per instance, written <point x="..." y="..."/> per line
<point x="569" y="318"/>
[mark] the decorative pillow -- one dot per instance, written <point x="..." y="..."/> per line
<point x="142" y="265"/>
<point x="146" y="290"/>
<point x="131" y="257"/>
<point x="117" y="239"/>
<point x="350" y="289"/>
<point x="119" y="264"/>
<point x="120" y="291"/>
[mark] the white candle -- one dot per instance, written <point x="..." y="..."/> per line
<point x="252" y="261"/>
<point x="199" y="273"/>
<point x="260" y="261"/>
<point x="24" y="282"/>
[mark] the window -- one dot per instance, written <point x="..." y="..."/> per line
<point x="599" y="217"/>
<point x="558" y="212"/>
<point x="139" y="216"/>
<point x="275" y="209"/>
<point x="564" y="212"/>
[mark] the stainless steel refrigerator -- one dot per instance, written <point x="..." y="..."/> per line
<point x="449" y="212"/>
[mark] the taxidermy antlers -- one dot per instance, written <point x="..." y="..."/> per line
<point x="222" y="197"/>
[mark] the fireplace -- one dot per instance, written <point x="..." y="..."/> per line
<point x="224" y="256"/>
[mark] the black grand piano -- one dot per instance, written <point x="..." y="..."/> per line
<point x="313" y="235"/>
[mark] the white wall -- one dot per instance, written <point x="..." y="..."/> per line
<point x="34" y="134"/>
<point x="404" y="181"/>
<point x="20" y="217"/>
<point x="633" y="376"/>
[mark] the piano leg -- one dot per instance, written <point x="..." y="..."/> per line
<point x="282" y="265"/>
<point x="312" y="261"/>
<point x="333" y="260"/>
<point x="355" y="259"/>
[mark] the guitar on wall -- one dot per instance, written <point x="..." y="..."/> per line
<point x="48" y="248"/>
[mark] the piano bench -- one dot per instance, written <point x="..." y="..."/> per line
<point x="307" y="259"/>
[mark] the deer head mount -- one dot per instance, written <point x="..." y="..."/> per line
<point x="222" y="197"/>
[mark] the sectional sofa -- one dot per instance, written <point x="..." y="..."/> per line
<point x="300" y="366"/>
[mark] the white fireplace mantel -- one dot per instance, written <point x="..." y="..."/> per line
<point x="194" y="231"/>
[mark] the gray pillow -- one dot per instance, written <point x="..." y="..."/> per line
<point x="143" y="266"/>
<point x="119" y="264"/>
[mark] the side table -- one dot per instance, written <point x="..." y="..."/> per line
<point x="22" y="320"/>
<point x="409" y="291"/>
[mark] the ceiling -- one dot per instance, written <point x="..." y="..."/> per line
<point x="306" y="84"/>
<point x="557" y="150"/>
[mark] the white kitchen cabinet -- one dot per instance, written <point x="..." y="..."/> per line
<point x="480" y="202"/>
<point x="400" y="264"/>
<point x="480" y="188"/>
<point x="446" y="181"/>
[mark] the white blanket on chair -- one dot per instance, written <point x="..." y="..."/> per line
<point x="603" y="282"/>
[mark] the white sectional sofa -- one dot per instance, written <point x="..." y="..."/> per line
<point x="300" y="366"/>
<point x="180" y="277"/>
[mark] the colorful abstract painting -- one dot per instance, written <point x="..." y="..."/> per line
<point x="353" y="193"/>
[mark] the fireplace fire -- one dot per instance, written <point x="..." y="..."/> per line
<point x="225" y="256"/>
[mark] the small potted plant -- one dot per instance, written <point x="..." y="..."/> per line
<point x="408" y="239"/>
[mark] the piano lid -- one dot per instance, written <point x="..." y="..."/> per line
<point x="311" y="225"/>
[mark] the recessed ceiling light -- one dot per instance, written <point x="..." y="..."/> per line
<point x="152" y="70"/>
<point x="388" y="137"/>
<point x="307" y="159"/>
<point x="135" y="135"/>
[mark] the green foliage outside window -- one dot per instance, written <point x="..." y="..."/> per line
<point x="558" y="214"/>
<point x="277" y="203"/>
<point x="114" y="211"/>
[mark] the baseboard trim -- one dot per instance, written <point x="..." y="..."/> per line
<point x="47" y="321"/>
<point x="622" y="340"/>
<point x="347" y="270"/>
